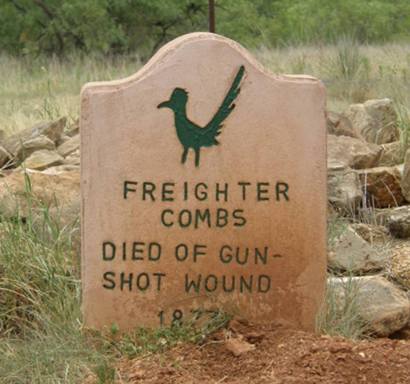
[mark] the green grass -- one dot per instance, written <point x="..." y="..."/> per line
<point x="340" y="314"/>
<point x="42" y="339"/>
<point x="40" y="327"/>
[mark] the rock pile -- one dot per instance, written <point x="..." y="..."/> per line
<point x="44" y="146"/>
<point x="368" y="186"/>
<point x="364" y="143"/>
<point x="50" y="154"/>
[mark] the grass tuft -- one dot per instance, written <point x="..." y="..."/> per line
<point x="42" y="339"/>
<point x="340" y="314"/>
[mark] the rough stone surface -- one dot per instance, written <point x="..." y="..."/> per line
<point x="69" y="146"/>
<point x="373" y="234"/>
<point x="35" y="144"/>
<point x="43" y="159"/>
<point x="63" y="139"/>
<point x="382" y="216"/>
<point x="60" y="193"/>
<point x="53" y="130"/>
<point x="61" y="169"/>
<point x="405" y="183"/>
<point x="349" y="252"/>
<point x="382" y="305"/>
<point x="375" y="120"/>
<point x="382" y="186"/>
<point x="126" y="137"/>
<point x="344" y="189"/>
<point x="351" y="152"/>
<point x="400" y="265"/>
<point x="340" y="125"/>
<point x="392" y="154"/>
<point x="73" y="158"/>
<point x="73" y="128"/>
<point x="4" y="156"/>
<point x="238" y="346"/>
<point x="398" y="222"/>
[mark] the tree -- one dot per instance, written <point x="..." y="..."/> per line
<point x="121" y="26"/>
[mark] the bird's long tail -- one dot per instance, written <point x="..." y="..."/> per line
<point x="213" y="128"/>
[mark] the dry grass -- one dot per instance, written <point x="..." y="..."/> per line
<point x="351" y="73"/>
<point x="41" y="89"/>
<point x="41" y="338"/>
<point x="34" y="90"/>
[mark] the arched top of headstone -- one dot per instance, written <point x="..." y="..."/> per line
<point x="203" y="187"/>
<point x="207" y="49"/>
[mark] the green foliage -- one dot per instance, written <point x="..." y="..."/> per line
<point x="42" y="339"/>
<point x="105" y="373"/>
<point x="115" y="26"/>
<point x="340" y="314"/>
<point x="40" y="328"/>
<point x="122" y="26"/>
<point x="37" y="272"/>
<point x="194" y="330"/>
<point x="364" y="20"/>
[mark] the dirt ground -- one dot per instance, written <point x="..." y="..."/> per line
<point x="245" y="353"/>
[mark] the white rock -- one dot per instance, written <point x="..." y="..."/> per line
<point x="375" y="120"/>
<point x="350" y="252"/>
<point x="43" y="159"/>
<point x="69" y="146"/>
<point x="34" y="144"/>
<point x="73" y="158"/>
<point x="52" y="130"/>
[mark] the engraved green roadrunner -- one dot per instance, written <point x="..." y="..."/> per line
<point x="192" y="135"/>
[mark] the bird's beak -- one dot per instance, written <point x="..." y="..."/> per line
<point x="164" y="104"/>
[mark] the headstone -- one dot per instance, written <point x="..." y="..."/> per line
<point x="203" y="188"/>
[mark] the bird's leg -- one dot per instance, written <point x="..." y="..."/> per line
<point x="197" y="157"/>
<point x="184" y="155"/>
